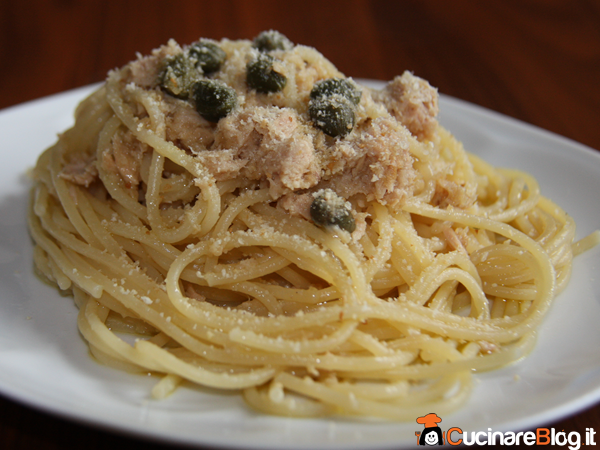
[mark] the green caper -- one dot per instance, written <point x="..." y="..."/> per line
<point x="214" y="99"/>
<point x="208" y="55"/>
<point x="328" y="209"/>
<point x="332" y="86"/>
<point x="178" y="74"/>
<point x="261" y="76"/>
<point x="271" y="40"/>
<point x="334" y="115"/>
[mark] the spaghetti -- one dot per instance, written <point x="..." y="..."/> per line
<point x="196" y="235"/>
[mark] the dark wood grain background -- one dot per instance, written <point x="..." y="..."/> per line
<point x="537" y="61"/>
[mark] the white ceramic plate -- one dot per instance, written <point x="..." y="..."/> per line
<point x="44" y="362"/>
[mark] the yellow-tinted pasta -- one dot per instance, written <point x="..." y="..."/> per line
<point x="228" y="290"/>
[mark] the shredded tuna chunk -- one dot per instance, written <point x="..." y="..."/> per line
<point x="125" y="157"/>
<point x="375" y="162"/>
<point x="449" y="193"/>
<point x="412" y="101"/>
<point x="296" y="204"/>
<point x="185" y="127"/>
<point x="272" y="144"/>
<point x="81" y="170"/>
<point x="144" y="70"/>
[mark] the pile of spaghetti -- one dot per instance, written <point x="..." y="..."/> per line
<point x="264" y="224"/>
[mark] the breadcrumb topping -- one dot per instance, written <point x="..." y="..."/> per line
<point x="270" y="138"/>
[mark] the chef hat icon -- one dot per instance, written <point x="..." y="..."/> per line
<point x="430" y="421"/>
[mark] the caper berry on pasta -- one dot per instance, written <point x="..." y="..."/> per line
<point x="329" y="209"/>
<point x="272" y="40"/>
<point x="333" y="115"/>
<point x="178" y="75"/>
<point x="208" y="55"/>
<point x="214" y="99"/>
<point x="261" y="76"/>
<point x="340" y="86"/>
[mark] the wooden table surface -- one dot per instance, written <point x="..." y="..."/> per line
<point x="537" y="61"/>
